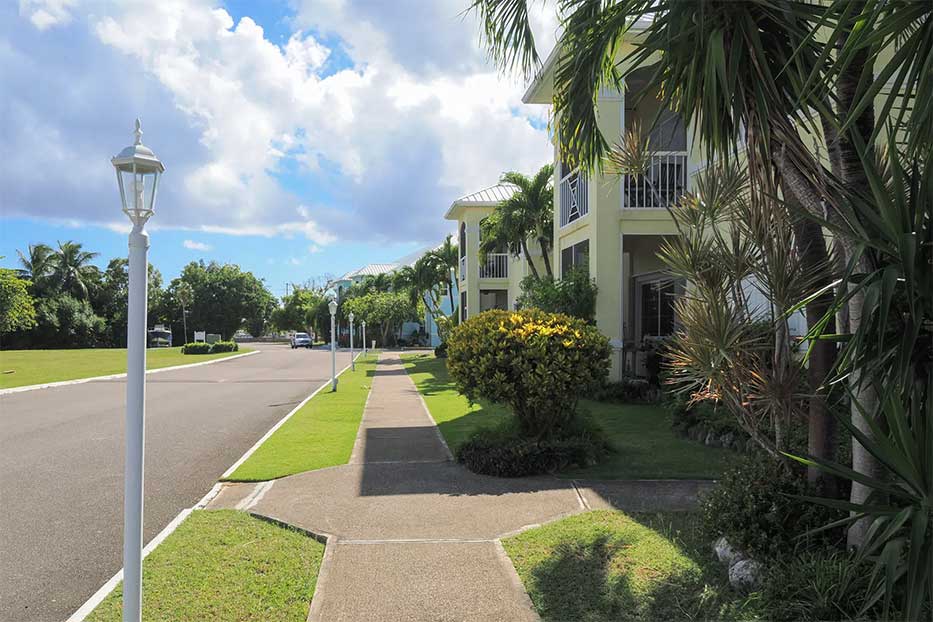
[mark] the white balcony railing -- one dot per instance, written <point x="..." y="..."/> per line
<point x="661" y="186"/>
<point x="574" y="202"/>
<point x="463" y="268"/>
<point x="496" y="266"/>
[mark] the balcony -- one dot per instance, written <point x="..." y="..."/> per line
<point x="574" y="201"/>
<point x="664" y="182"/>
<point x="496" y="266"/>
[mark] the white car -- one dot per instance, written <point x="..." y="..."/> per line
<point x="301" y="340"/>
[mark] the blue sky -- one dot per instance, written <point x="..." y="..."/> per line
<point x="301" y="137"/>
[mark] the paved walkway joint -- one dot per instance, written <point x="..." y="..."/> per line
<point x="413" y="536"/>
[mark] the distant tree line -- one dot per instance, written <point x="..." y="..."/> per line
<point x="59" y="299"/>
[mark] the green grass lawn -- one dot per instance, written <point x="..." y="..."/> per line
<point x="453" y="414"/>
<point x="319" y="435"/>
<point x="646" y="446"/>
<point x="24" y="367"/>
<point x="611" y="566"/>
<point x="225" y="565"/>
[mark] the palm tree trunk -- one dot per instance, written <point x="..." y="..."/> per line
<point x="545" y="255"/>
<point x="811" y="245"/>
<point x="864" y="393"/>
<point x="531" y="264"/>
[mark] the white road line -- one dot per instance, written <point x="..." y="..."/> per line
<point x="91" y="603"/>
<point x="65" y="383"/>
<point x="255" y="496"/>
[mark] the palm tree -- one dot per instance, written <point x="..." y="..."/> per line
<point x="72" y="267"/>
<point x="38" y="263"/>
<point x="759" y="68"/>
<point x="447" y="257"/>
<point x="527" y="214"/>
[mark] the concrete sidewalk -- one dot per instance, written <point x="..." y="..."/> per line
<point x="413" y="536"/>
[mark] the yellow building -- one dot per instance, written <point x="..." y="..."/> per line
<point x="493" y="284"/>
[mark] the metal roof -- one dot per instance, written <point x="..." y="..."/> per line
<point x="372" y="269"/>
<point x="493" y="195"/>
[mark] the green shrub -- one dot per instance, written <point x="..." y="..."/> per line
<point x="224" y="346"/>
<point x="574" y="294"/>
<point x="505" y="452"/>
<point x="820" y="585"/>
<point x="196" y="348"/>
<point x="756" y="507"/>
<point x="441" y="351"/>
<point x="538" y="363"/>
<point x="627" y="391"/>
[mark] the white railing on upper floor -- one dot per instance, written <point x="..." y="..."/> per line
<point x="661" y="186"/>
<point x="574" y="201"/>
<point x="496" y="266"/>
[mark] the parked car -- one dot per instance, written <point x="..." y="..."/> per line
<point x="301" y="340"/>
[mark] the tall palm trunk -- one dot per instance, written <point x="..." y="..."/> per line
<point x="545" y="255"/>
<point x="811" y="245"/>
<point x="864" y="393"/>
<point x="531" y="264"/>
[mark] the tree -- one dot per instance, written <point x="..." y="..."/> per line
<point x="17" y="311"/>
<point x="527" y="214"/>
<point x="185" y="296"/>
<point x="111" y="297"/>
<point x="297" y="310"/>
<point x="388" y="310"/>
<point x="71" y="269"/>
<point x="226" y="298"/>
<point x="447" y="258"/>
<point x="38" y="263"/>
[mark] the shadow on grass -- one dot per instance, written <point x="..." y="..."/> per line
<point x="641" y="570"/>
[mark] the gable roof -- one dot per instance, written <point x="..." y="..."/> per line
<point x="372" y="269"/>
<point x="487" y="197"/>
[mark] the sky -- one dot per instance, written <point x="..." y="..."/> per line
<point x="301" y="138"/>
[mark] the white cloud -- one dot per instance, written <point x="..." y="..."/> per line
<point x="382" y="146"/>
<point x="46" y="14"/>
<point x="196" y="246"/>
<point x="314" y="249"/>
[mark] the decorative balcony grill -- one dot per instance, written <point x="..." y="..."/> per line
<point x="496" y="266"/>
<point x="661" y="186"/>
<point x="574" y="201"/>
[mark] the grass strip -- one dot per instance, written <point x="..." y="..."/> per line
<point x="19" y="368"/>
<point x="611" y="566"/>
<point x="455" y="417"/>
<point x="225" y="565"/>
<point x="319" y="435"/>
<point x="642" y="435"/>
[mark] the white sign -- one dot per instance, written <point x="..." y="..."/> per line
<point x="200" y="336"/>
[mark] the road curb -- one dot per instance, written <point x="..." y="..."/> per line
<point x="65" y="383"/>
<point x="91" y="603"/>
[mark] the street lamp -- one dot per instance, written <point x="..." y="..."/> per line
<point x="352" y="362"/>
<point x="332" y="307"/>
<point x="138" y="171"/>
<point x="364" y="337"/>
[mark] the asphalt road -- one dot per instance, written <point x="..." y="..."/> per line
<point x="61" y="466"/>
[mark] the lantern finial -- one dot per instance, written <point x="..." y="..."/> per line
<point x="138" y="133"/>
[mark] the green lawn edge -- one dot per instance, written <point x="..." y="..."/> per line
<point x="225" y="565"/>
<point x="321" y="434"/>
<point x="612" y="566"/>
<point x="641" y="434"/>
<point x="31" y="367"/>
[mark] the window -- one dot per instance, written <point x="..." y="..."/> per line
<point x="463" y="310"/>
<point x="657" y="308"/>
<point x="493" y="299"/>
<point x="573" y="256"/>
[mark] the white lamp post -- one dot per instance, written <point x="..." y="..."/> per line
<point x="363" y="323"/>
<point x="332" y="307"/>
<point x="138" y="172"/>
<point x="352" y="362"/>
